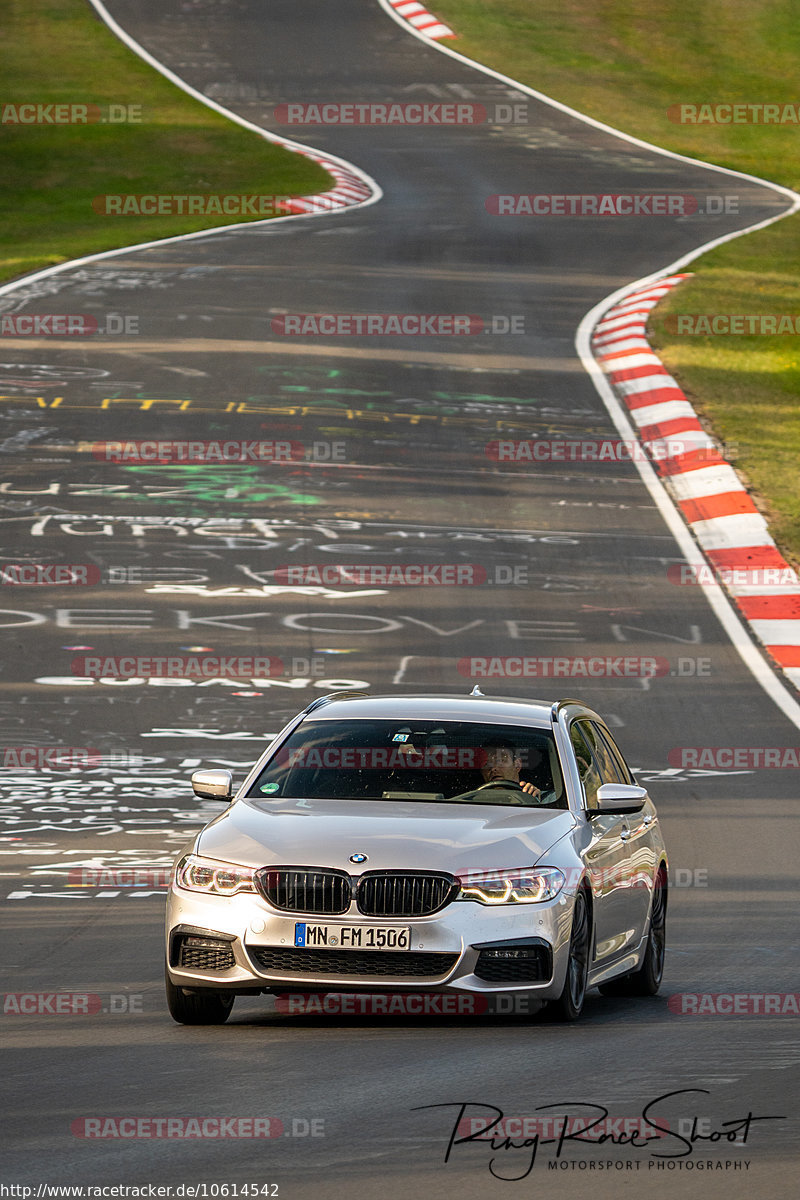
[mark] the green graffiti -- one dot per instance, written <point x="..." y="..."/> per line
<point x="297" y="387"/>
<point x="318" y="372"/>
<point x="213" y="483"/>
<point x="486" y="399"/>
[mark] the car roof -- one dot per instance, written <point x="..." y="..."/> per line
<point x="500" y="710"/>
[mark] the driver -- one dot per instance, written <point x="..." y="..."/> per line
<point x="500" y="760"/>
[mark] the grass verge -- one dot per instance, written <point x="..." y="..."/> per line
<point x="59" y="52"/>
<point x="630" y="66"/>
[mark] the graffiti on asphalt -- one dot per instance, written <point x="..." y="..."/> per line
<point x="213" y="483"/>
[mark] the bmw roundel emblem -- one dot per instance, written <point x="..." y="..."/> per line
<point x="358" y="858"/>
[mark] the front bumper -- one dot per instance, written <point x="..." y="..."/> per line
<point x="240" y="943"/>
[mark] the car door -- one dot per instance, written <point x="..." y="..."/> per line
<point x="640" y="858"/>
<point x="606" y="854"/>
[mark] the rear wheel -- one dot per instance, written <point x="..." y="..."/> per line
<point x="569" y="1004"/>
<point x="202" y="1007"/>
<point x="646" y="980"/>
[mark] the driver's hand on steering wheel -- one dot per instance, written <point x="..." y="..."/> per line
<point x="530" y="789"/>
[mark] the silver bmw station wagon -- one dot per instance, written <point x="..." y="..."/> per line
<point x="434" y="844"/>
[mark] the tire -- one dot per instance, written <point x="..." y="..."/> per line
<point x="646" y="980"/>
<point x="569" y="1004"/>
<point x="203" y="1007"/>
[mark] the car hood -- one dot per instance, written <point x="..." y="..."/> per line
<point x="402" y="835"/>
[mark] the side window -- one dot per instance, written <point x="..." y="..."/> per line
<point x="605" y="760"/>
<point x="623" y="769"/>
<point x="587" y="764"/>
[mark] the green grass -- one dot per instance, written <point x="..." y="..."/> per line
<point x="627" y="65"/>
<point x="57" y="51"/>
<point x="747" y="386"/>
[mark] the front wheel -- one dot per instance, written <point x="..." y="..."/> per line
<point x="203" y="1007"/>
<point x="569" y="1004"/>
<point x="646" y="980"/>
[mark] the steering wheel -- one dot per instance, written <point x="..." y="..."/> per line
<point x="506" y="784"/>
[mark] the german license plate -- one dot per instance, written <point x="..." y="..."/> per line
<point x="352" y="937"/>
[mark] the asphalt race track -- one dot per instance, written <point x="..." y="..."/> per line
<point x="572" y="560"/>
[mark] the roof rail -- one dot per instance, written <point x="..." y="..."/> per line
<point x="559" y="704"/>
<point x="344" y="695"/>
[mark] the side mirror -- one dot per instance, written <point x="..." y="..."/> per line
<point x="615" y="798"/>
<point x="212" y="785"/>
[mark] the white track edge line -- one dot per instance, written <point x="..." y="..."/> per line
<point x="307" y="151"/>
<point x="278" y="139"/>
<point x="717" y="598"/>
<point x="573" y="112"/>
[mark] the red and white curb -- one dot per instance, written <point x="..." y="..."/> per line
<point x="351" y="185"/>
<point x="351" y="188"/>
<point x="728" y="527"/>
<point x="423" y="21"/>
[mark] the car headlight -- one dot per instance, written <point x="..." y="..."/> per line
<point x="518" y="886"/>
<point x="198" y="874"/>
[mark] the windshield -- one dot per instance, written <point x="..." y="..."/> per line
<point x="435" y="761"/>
